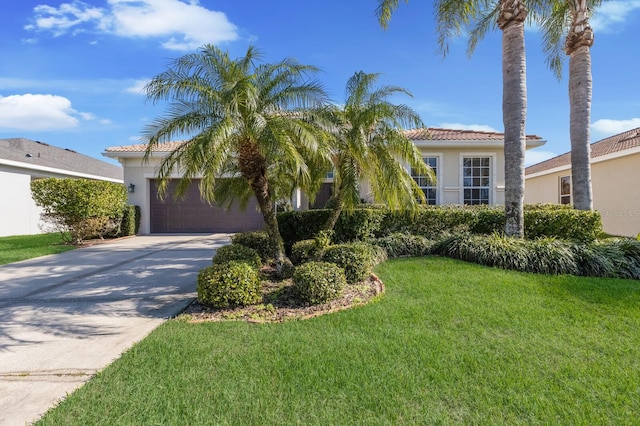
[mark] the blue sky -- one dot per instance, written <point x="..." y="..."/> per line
<point x="71" y="72"/>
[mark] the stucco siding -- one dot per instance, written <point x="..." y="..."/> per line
<point x="20" y="215"/>
<point x="615" y="194"/>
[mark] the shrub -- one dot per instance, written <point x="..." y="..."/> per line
<point x="545" y="256"/>
<point x="318" y="282"/>
<point x="257" y="240"/>
<point x="303" y="252"/>
<point x="85" y="208"/>
<point x="229" y="284"/>
<point x="361" y="224"/>
<point x="238" y="252"/>
<point x="399" y="244"/>
<point x="130" y="221"/>
<point x="428" y="221"/>
<point x="596" y="259"/>
<point x="566" y="223"/>
<point x="357" y="259"/>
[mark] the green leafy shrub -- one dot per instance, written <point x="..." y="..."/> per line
<point x="428" y="221"/>
<point x="596" y="259"/>
<point x="360" y="224"/>
<point x="229" y="284"/>
<point x="303" y="252"/>
<point x="257" y="240"/>
<point x="399" y="245"/>
<point x="357" y="259"/>
<point x="566" y="223"/>
<point x="83" y="208"/>
<point x="237" y="252"/>
<point x="130" y="221"/>
<point x="627" y="261"/>
<point x="551" y="256"/>
<point x="318" y="282"/>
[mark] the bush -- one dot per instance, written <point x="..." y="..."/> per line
<point x="130" y="221"/>
<point x="545" y="256"/>
<point x="361" y="224"/>
<point x="566" y="223"/>
<point x="429" y="221"/>
<point x="357" y="259"/>
<point x="318" y="282"/>
<point x="257" y="240"/>
<point x="229" y="284"/>
<point x="237" y="252"/>
<point x="85" y="208"/>
<point x="399" y="245"/>
<point x="303" y="252"/>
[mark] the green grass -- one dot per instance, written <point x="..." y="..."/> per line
<point x="448" y="343"/>
<point x="21" y="247"/>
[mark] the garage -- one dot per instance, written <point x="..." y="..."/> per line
<point x="191" y="214"/>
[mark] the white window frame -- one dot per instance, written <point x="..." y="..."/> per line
<point x="561" y="195"/>
<point x="492" y="173"/>
<point x="438" y="185"/>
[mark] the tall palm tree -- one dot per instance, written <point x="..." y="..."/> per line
<point x="454" y="17"/>
<point x="369" y="143"/>
<point x="571" y="17"/>
<point x="241" y="117"/>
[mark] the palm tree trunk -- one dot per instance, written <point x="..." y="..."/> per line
<point x="334" y="215"/>
<point x="514" y="111"/>
<point x="253" y="168"/>
<point x="578" y="47"/>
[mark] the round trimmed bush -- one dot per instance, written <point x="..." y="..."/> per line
<point x="318" y="282"/>
<point x="357" y="259"/>
<point x="303" y="251"/>
<point x="237" y="252"/>
<point x="257" y="240"/>
<point x="229" y="284"/>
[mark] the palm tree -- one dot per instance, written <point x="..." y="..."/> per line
<point x="454" y="17"/>
<point x="571" y="17"/>
<point x="241" y="117"/>
<point x="369" y="143"/>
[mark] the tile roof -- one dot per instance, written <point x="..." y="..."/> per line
<point x="617" y="143"/>
<point x="40" y="154"/>
<point x="430" y="133"/>
<point x="162" y="147"/>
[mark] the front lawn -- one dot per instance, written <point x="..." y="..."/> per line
<point x="13" y="249"/>
<point x="448" y="343"/>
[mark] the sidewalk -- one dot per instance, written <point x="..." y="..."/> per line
<point x="65" y="316"/>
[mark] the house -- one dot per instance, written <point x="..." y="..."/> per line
<point x="615" y="165"/>
<point x="469" y="166"/>
<point x="23" y="160"/>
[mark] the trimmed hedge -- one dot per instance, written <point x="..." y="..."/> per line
<point x="130" y="221"/>
<point x="357" y="259"/>
<point x="229" y="284"/>
<point x="237" y="252"/>
<point x="318" y="282"/>
<point x="540" y="220"/>
<point x="257" y="240"/>
<point x="359" y="225"/>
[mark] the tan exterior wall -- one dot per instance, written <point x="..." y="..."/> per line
<point x="615" y="194"/>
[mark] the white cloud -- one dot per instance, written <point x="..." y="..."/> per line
<point x="138" y="87"/>
<point x="39" y="112"/>
<point x="534" y="156"/>
<point x="607" y="127"/>
<point x="178" y="25"/>
<point x="461" y="126"/>
<point x="611" y="15"/>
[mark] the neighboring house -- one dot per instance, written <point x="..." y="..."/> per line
<point x="23" y="160"/>
<point x="469" y="166"/>
<point x="615" y="165"/>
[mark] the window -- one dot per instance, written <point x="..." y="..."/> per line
<point x="476" y="175"/>
<point x="565" y="190"/>
<point x="428" y="187"/>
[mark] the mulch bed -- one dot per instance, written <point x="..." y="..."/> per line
<point x="279" y="305"/>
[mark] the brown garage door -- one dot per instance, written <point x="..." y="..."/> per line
<point x="191" y="214"/>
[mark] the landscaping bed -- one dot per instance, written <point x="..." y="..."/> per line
<point x="279" y="304"/>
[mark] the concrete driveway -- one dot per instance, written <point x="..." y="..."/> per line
<point x="65" y="316"/>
